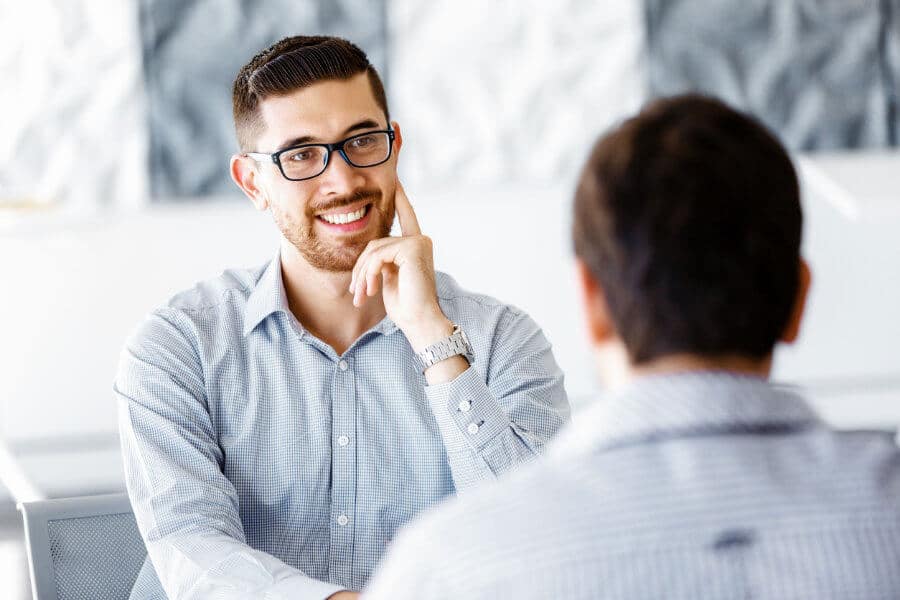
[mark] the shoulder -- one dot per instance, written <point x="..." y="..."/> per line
<point x="230" y="286"/>
<point x="208" y="308"/>
<point x="862" y="463"/>
<point x="449" y="290"/>
<point x="500" y="334"/>
<point x="460" y="305"/>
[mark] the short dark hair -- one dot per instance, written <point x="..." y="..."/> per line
<point x="289" y="65"/>
<point x="688" y="215"/>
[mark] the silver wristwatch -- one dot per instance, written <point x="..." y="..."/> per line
<point x="456" y="344"/>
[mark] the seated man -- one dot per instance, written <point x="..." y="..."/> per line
<point x="279" y="424"/>
<point x="696" y="477"/>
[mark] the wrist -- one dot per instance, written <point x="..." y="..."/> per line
<point x="446" y="370"/>
<point x="428" y="331"/>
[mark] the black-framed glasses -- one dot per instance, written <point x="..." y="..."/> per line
<point x="310" y="160"/>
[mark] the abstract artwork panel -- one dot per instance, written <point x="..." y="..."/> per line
<point x="192" y="52"/>
<point x="72" y="127"/>
<point x="892" y="67"/>
<point x="509" y="93"/>
<point x="810" y="69"/>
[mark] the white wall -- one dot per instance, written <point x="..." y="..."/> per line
<point x="73" y="291"/>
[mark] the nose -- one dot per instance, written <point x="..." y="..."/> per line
<point x="339" y="176"/>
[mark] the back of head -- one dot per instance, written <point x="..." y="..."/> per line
<point x="688" y="216"/>
<point x="291" y="64"/>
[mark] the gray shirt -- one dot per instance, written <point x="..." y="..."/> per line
<point x="261" y="464"/>
<point x="702" y="485"/>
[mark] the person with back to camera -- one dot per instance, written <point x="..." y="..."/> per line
<point x="696" y="477"/>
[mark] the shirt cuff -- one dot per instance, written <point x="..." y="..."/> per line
<point x="304" y="589"/>
<point x="466" y="411"/>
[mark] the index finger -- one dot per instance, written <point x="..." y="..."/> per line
<point x="409" y="224"/>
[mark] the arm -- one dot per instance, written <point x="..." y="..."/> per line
<point x="488" y="422"/>
<point x="492" y="421"/>
<point x="186" y="509"/>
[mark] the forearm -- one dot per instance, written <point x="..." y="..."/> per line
<point x="481" y="438"/>
<point x="211" y="565"/>
<point x="187" y="513"/>
<point x="188" y="518"/>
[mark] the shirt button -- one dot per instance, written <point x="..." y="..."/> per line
<point x="343" y="440"/>
<point x="465" y="405"/>
<point x="343" y="520"/>
<point x="472" y="428"/>
<point x="343" y="366"/>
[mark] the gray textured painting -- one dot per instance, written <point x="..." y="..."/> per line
<point x="510" y="92"/>
<point x="816" y="71"/>
<point x="193" y="50"/>
<point x="892" y="70"/>
<point x="72" y="126"/>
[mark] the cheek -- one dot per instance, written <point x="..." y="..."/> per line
<point x="291" y="216"/>
<point x="292" y="204"/>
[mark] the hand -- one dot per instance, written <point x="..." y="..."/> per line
<point x="344" y="595"/>
<point x="403" y="269"/>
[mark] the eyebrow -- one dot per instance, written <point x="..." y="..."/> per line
<point x="309" y="139"/>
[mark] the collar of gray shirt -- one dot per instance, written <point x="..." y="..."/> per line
<point x="268" y="297"/>
<point x="690" y="404"/>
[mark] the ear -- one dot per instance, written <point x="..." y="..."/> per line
<point x="593" y="302"/>
<point x="398" y="137"/>
<point x="792" y="329"/>
<point x="246" y="175"/>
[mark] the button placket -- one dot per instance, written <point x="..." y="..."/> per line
<point x="343" y="469"/>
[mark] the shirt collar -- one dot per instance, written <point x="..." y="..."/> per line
<point x="268" y="297"/>
<point x="686" y="404"/>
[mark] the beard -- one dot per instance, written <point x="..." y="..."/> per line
<point x="329" y="255"/>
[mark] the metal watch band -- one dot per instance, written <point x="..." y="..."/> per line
<point x="456" y="343"/>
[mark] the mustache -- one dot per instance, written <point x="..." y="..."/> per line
<point x="358" y="196"/>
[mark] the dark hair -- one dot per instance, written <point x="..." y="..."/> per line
<point x="688" y="215"/>
<point x="291" y="64"/>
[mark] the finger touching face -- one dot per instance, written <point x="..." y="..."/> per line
<point x="409" y="223"/>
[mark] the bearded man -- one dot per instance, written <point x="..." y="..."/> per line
<point x="280" y="424"/>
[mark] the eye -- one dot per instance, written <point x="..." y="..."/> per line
<point x="302" y="155"/>
<point x="363" y="141"/>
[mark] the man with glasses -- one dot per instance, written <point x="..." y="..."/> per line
<point x="279" y="424"/>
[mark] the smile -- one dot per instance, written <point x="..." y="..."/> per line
<point x="349" y="217"/>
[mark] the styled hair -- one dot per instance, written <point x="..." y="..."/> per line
<point x="291" y="64"/>
<point x="688" y="216"/>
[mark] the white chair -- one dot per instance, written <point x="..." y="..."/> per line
<point x="86" y="548"/>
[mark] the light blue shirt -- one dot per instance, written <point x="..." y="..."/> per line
<point x="261" y="464"/>
<point x="703" y="485"/>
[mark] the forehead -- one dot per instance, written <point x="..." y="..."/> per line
<point x="323" y="110"/>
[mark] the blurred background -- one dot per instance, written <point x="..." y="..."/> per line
<point x="115" y="135"/>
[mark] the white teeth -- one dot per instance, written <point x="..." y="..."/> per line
<point x="345" y="217"/>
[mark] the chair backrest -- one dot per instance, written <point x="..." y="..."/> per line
<point x="86" y="548"/>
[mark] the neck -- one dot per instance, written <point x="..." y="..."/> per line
<point x="323" y="304"/>
<point x="682" y="363"/>
<point x="617" y="370"/>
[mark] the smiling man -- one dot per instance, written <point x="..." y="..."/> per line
<point x="279" y="424"/>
